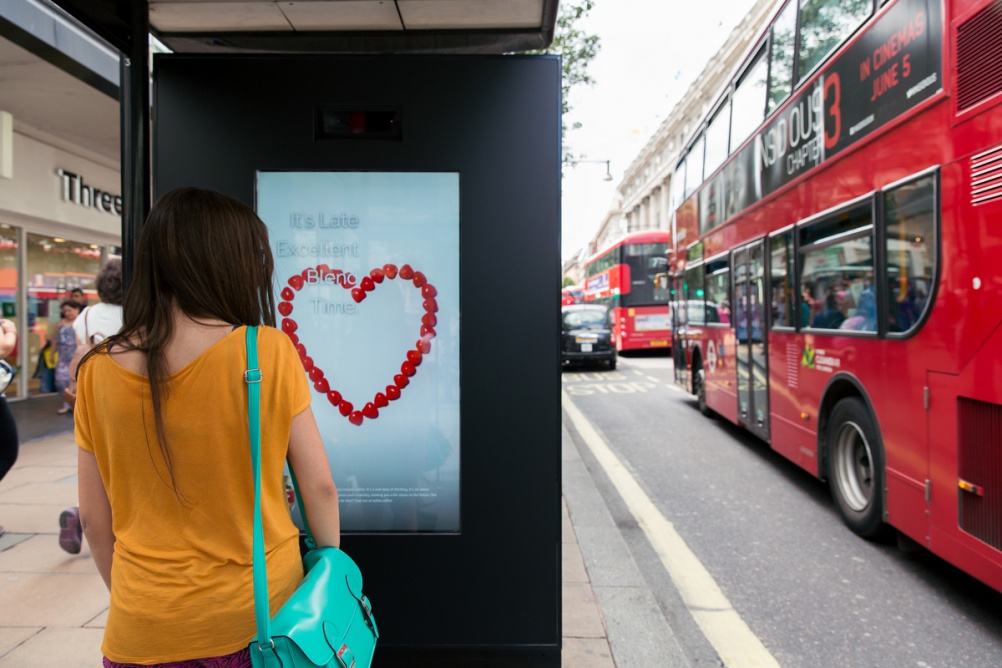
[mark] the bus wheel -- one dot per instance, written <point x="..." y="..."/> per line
<point x="856" y="468"/>
<point x="699" y="380"/>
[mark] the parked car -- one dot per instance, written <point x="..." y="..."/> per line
<point x="586" y="335"/>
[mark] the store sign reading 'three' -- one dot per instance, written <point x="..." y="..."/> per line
<point x="76" y="191"/>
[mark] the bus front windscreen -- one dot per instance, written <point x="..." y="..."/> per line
<point x="646" y="262"/>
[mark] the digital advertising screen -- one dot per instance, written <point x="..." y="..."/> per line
<point x="367" y="287"/>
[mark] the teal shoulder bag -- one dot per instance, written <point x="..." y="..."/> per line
<point x="327" y="621"/>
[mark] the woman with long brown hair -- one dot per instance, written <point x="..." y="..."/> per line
<point x="166" y="491"/>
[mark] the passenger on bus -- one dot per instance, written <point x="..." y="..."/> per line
<point x="865" y="318"/>
<point x="832" y="317"/>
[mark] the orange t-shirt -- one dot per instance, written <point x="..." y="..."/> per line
<point x="181" y="582"/>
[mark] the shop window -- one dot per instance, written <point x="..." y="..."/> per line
<point x="910" y="233"/>
<point x="824" y="24"/>
<point x="781" y="280"/>
<point x="836" y="273"/>
<point x="8" y="297"/>
<point x="784" y="37"/>
<point x="55" y="266"/>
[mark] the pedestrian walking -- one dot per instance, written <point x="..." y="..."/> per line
<point x="8" y="429"/>
<point x="66" y="345"/>
<point x="93" y="325"/>
<point x="166" y="492"/>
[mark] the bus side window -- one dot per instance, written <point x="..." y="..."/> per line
<point x="718" y="285"/>
<point x="696" y="295"/>
<point x="781" y="280"/>
<point x="910" y="230"/>
<point x="836" y="264"/>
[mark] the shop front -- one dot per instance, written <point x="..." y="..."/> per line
<point x="59" y="225"/>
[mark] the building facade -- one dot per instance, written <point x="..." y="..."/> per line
<point x="646" y="187"/>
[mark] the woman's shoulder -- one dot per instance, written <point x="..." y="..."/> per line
<point x="274" y="339"/>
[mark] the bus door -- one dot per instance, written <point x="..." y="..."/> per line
<point x="678" y="314"/>
<point x="749" y="325"/>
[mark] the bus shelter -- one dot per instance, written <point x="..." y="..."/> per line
<point x="410" y="102"/>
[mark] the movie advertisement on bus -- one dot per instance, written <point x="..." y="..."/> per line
<point x="891" y="68"/>
<point x="794" y="142"/>
<point x="367" y="287"/>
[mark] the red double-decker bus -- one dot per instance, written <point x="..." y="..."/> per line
<point x="843" y="198"/>
<point x="629" y="276"/>
<point x="572" y="294"/>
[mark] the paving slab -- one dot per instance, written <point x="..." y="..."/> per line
<point x="566" y="527"/>
<point x="98" y="622"/>
<point x="581" y="616"/>
<point x="50" y="493"/>
<point x="42" y="554"/>
<point x="13" y="636"/>
<point x="573" y="568"/>
<point x="586" y="653"/>
<point x="44" y="599"/>
<point x="31" y="518"/>
<point x="57" y="648"/>
<point x="38" y="473"/>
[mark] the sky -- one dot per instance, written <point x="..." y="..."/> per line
<point x="651" y="51"/>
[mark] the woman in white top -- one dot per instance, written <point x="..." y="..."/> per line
<point x="102" y="320"/>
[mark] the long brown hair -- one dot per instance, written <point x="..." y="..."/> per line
<point x="208" y="255"/>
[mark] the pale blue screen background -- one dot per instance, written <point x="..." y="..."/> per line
<point x="400" y="471"/>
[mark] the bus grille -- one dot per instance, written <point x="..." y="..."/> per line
<point x="979" y="56"/>
<point x="986" y="176"/>
<point x="980" y="463"/>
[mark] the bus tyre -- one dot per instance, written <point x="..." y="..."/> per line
<point x="856" y="468"/>
<point x="699" y="380"/>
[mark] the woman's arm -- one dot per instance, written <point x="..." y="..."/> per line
<point x="8" y="337"/>
<point x="313" y="473"/>
<point x="95" y="514"/>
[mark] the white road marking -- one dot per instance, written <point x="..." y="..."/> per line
<point x="723" y="627"/>
<point x="674" y="387"/>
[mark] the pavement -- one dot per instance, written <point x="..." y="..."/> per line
<point x="53" y="605"/>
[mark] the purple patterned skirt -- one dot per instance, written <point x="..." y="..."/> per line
<point x="240" y="659"/>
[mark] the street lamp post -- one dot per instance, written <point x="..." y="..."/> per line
<point x="608" y="173"/>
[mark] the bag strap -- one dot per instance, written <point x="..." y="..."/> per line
<point x="262" y="609"/>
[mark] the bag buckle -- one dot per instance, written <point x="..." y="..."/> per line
<point x="367" y="611"/>
<point x="252" y="376"/>
<point x="340" y="657"/>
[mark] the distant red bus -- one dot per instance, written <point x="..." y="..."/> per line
<point x="572" y="294"/>
<point x="841" y="202"/>
<point x="628" y="277"/>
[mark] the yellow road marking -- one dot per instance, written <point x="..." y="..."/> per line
<point x="723" y="627"/>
